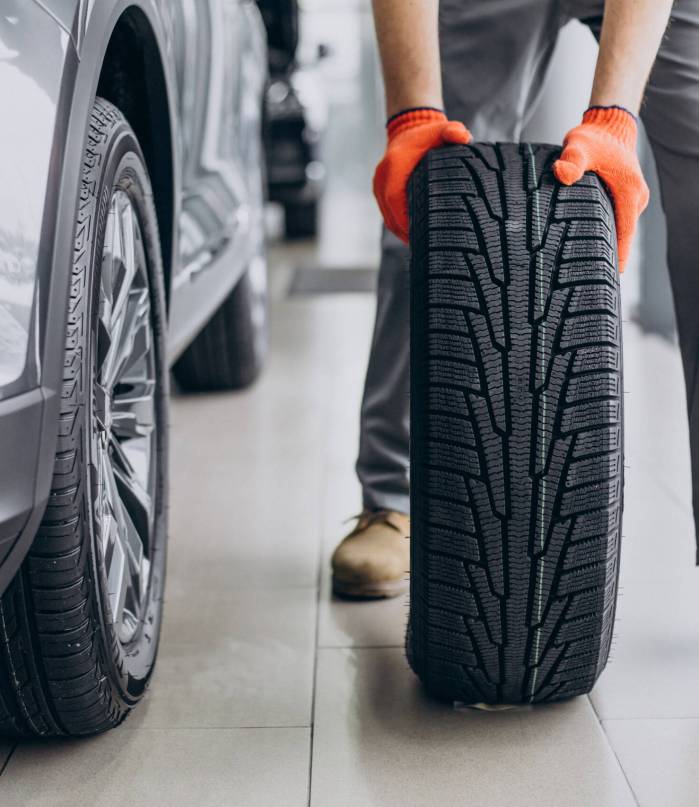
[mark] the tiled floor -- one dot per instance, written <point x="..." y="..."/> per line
<point x="266" y="685"/>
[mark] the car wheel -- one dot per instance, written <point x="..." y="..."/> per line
<point x="516" y="412"/>
<point x="230" y="351"/>
<point x="80" y="623"/>
<point x="301" y="220"/>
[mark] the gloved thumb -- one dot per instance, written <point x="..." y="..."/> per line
<point x="456" y="132"/>
<point x="570" y="167"/>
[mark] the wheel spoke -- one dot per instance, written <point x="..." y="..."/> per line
<point x="130" y="338"/>
<point x="124" y="308"/>
<point x="111" y="523"/>
<point x="108" y="259"/>
<point x="132" y="491"/>
<point x="133" y="411"/>
<point x="118" y="582"/>
<point x="125" y="264"/>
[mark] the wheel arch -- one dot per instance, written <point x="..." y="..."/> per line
<point x="133" y="78"/>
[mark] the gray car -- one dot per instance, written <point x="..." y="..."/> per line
<point x="131" y="241"/>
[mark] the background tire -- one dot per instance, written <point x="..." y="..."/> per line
<point x="230" y="351"/>
<point x="77" y="647"/>
<point x="516" y="411"/>
<point x="301" y="220"/>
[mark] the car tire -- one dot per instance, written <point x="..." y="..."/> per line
<point x="517" y="434"/>
<point x="230" y="351"/>
<point x="80" y="623"/>
<point x="301" y="220"/>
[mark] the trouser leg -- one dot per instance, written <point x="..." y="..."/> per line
<point x="671" y="117"/>
<point x="670" y="114"/>
<point x="383" y="463"/>
<point x="494" y="55"/>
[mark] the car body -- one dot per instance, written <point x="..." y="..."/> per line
<point x="190" y="76"/>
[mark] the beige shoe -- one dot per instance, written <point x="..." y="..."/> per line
<point x="373" y="561"/>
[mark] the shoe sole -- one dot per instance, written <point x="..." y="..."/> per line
<point x="369" y="591"/>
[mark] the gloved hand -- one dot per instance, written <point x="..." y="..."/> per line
<point x="411" y="134"/>
<point x="605" y="143"/>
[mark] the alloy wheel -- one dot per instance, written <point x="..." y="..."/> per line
<point x="124" y="418"/>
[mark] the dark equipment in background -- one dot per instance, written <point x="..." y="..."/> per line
<point x="292" y="140"/>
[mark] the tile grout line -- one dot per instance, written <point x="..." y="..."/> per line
<point x="613" y="750"/>
<point x="323" y="491"/>
<point x="315" y="675"/>
<point x="8" y="758"/>
<point x="649" y="718"/>
<point x="172" y="729"/>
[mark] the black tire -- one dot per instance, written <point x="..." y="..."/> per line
<point x="517" y="441"/>
<point x="64" y="670"/>
<point x="230" y="351"/>
<point x="301" y="220"/>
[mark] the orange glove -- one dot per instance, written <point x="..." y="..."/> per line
<point x="605" y="143"/>
<point x="411" y="134"/>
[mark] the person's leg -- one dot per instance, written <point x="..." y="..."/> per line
<point x="670" y="114"/>
<point x="671" y="117"/>
<point x="382" y="464"/>
<point x="494" y="56"/>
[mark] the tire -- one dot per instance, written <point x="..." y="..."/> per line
<point x="77" y="647"/>
<point x="301" y="220"/>
<point x="229" y="353"/>
<point x="517" y="436"/>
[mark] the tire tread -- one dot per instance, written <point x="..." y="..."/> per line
<point x="516" y="412"/>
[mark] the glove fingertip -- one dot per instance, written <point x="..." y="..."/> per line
<point x="455" y="132"/>
<point x="397" y="221"/>
<point x="623" y="252"/>
<point x="567" y="172"/>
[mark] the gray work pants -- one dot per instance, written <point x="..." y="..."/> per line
<point x="494" y="57"/>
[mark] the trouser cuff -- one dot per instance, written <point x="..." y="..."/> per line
<point x="398" y="502"/>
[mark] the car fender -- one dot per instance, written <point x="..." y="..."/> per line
<point x="55" y="139"/>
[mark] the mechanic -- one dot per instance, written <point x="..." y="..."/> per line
<point x="494" y="55"/>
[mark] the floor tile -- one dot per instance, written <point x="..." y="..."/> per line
<point x="232" y="529"/>
<point x="233" y="659"/>
<point x="655" y="653"/>
<point x="657" y="436"/>
<point x="375" y="623"/>
<point x="247" y="468"/>
<point x="656" y="637"/>
<point x="379" y="741"/>
<point x="260" y="767"/>
<point x="659" y="758"/>
<point x="658" y="532"/>
<point x="251" y="515"/>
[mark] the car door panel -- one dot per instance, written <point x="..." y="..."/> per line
<point x="221" y="72"/>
